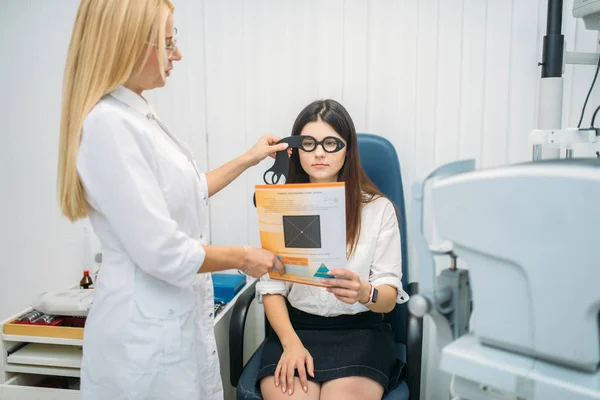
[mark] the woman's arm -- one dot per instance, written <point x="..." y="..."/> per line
<point x="252" y="260"/>
<point x="386" y="297"/>
<point x="294" y="354"/>
<point x="278" y="317"/>
<point x="220" y="177"/>
<point x="347" y="286"/>
<point x="115" y="168"/>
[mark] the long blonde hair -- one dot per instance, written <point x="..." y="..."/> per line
<point x="108" y="41"/>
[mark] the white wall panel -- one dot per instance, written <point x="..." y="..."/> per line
<point x="523" y="80"/>
<point x="356" y="60"/>
<point x="496" y="83"/>
<point x="226" y="125"/>
<point x="448" y="80"/>
<point x="406" y="92"/>
<point x="427" y="69"/>
<point x="472" y="79"/>
<point x="40" y="250"/>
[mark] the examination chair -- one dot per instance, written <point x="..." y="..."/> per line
<point x="380" y="161"/>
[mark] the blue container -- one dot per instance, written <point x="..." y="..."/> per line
<point x="226" y="286"/>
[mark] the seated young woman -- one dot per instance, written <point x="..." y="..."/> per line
<point x="332" y="343"/>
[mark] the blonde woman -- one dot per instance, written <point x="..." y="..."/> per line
<point x="149" y="334"/>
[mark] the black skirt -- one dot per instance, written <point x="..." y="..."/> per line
<point x="342" y="346"/>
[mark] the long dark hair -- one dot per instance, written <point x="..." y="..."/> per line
<point x="359" y="188"/>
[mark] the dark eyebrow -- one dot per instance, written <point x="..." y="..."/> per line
<point x="169" y="37"/>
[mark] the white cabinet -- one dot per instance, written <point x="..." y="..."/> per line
<point x="29" y="356"/>
<point x="35" y="360"/>
<point x="23" y="387"/>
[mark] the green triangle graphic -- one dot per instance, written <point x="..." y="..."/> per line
<point x="322" y="272"/>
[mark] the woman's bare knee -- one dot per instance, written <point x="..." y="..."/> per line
<point x="271" y="392"/>
<point x="352" y="387"/>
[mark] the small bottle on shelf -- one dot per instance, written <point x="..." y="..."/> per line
<point x="86" y="281"/>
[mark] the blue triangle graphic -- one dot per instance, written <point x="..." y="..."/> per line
<point x="322" y="272"/>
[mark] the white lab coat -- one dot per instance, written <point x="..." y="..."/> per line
<point x="149" y="334"/>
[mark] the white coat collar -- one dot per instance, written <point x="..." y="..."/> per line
<point x="132" y="99"/>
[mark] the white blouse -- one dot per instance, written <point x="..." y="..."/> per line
<point x="377" y="259"/>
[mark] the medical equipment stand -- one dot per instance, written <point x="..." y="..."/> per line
<point x="549" y="137"/>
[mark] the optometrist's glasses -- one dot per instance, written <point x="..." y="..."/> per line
<point x="171" y="44"/>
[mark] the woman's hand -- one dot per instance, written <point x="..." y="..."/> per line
<point x="266" y="146"/>
<point x="260" y="261"/>
<point x="347" y="286"/>
<point x="295" y="356"/>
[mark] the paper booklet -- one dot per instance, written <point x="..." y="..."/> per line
<point x="305" y="226"/>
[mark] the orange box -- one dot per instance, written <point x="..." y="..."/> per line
<point x="68" y="328"/>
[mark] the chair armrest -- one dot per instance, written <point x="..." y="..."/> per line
<point x="236" y="333"/>
<point x="414" y="349"/>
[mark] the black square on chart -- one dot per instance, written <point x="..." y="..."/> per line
<point x="302" y="231"/>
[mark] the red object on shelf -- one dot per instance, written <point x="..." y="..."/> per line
<point x="57" y="321"/>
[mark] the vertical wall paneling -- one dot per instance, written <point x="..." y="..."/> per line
<point x="383" y="68"/>
<point x="41" y="250"/>
<point x="225" y="94"/>
<point x="496" y="84"/>
<point x="427" y="53"/>
<point x="425" y="116"/>
<point x="404" y="140"/>
<point x="355" y="60"/>
<point x="524" y="76"/>
<point x="329" y="47"/>
<point x="473" y="75"/>
<point x="301" y="61"/>
<point x="194" y="61"/>
<point x="448" y="81"/>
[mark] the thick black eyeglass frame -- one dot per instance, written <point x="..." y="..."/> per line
<point x="339" y="143"/>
